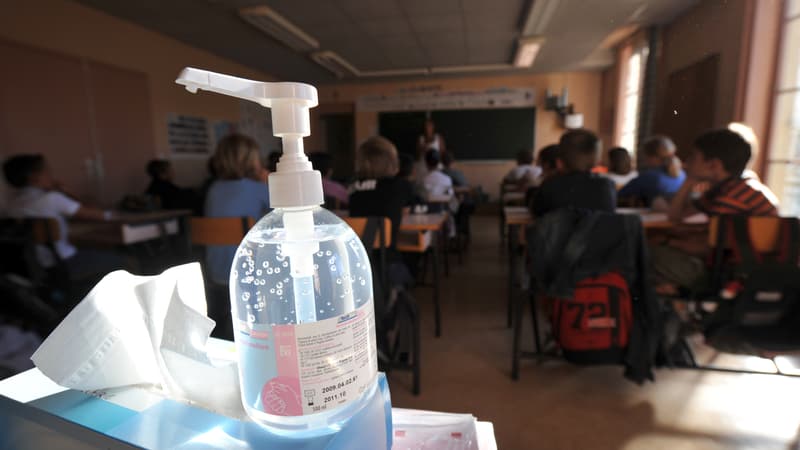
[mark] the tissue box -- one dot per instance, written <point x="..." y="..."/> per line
<point x="142" y="418"/>
<point x="34" y="412"/>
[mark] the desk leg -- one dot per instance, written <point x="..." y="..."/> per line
<point x="516" y="353"/>
<point x="443" y="246"/>
<point x="534" y="318"/>
<point x="437" y="309"/>
<point x="416" y="357"/>
<point x="511" y="269"/>
<point x="502" y="224"/>
<point x="185" y="228"/>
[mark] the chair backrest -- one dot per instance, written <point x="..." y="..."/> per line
<point x="383" y="239"/>
<point x="359" y="225"/>
<point x="764" y="233"/>
<point x="219" y="230"/>
<point x="765" y="238"/>
<point x="18" y="240"/>
<point x="41" y="230"/>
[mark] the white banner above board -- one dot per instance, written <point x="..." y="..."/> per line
<point x="431" y="101"/>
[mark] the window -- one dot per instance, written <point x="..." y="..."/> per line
<point x="783" y="163"/>
<point x="633" y="73"/>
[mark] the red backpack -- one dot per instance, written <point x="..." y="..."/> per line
<point x="593" y="327"/>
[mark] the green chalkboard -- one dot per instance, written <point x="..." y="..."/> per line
<point x="469" y="133"/>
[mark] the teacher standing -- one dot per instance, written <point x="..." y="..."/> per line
<point x="428" y="140"/>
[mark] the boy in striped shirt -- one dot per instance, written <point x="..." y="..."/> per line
<point x="719" y="161"/>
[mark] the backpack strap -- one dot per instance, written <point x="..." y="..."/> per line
<point x="615" y="312"/>
<point x="743" y="245"/>
<point x="789" y="251"/>
<point x="370" y="231"/>
<point x="716" y="258"/>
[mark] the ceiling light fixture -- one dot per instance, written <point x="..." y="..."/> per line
<point x="279" y="28"/>
<point x="539" y="17"/>
<point x="335" y="63"/>
<point x="395" y="72"/>
<point x="527" y="49"/>
<point x="471" y="68"/>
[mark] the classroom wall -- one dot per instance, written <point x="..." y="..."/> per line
<point x="606" y="127"/>
<point x="584" y="93"/>
<point x="710" y="27"/>
<point x="75" y="30"/>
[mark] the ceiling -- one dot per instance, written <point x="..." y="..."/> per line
<point x="377" y="35"/>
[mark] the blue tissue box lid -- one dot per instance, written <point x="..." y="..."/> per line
<point x="164" y="423"/>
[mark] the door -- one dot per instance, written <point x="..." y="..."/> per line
<point x="43" y="110"/>
<point x="688" y="103"/>
<point x="123" y="130"/>
<point x="91" y="121"/>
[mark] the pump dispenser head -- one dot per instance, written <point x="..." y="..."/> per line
<point x="295" y="184"/>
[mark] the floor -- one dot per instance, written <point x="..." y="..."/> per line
<point x="558" y="406"/>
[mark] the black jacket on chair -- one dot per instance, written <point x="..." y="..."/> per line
<point x="568" y="245"/>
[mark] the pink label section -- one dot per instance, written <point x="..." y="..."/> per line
<point x="281" y="395"/>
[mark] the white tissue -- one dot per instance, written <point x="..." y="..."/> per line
<point x="134" y="330"/>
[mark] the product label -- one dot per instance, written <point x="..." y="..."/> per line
<point x="321" y="365"/>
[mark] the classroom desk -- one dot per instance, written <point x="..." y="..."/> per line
<point x="510" y="198"/>
<point x="440" y="199"/>
<point x="516" y="219"/>
<point x="418" y="232"/>
<point x="127" y="228"/>
<point x="651" y="220"/>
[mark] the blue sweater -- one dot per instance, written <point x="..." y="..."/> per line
<point x="652" y="183"/>
<point x="232" y="198"/>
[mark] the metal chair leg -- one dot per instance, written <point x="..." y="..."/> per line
<point x="416" y="358"/>
<point x="511" y="271"/>
<point x="535" y="319"/>
<point x="437" y="308"/>
<point x="516" y="352"/>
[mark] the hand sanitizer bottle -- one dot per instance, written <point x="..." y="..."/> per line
<point x="300" y="285"/>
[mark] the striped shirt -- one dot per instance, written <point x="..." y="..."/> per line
<point x="740" y="195"/>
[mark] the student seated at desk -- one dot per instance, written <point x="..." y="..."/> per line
<point x="239" y="190"/>
<point x="719" y="162"/>
<point x="524" y="175"/>
<point x="406" y="171"/>
<point x="456" y="175"/>
<point x="162" y="187"/>
<point x="37" y="194"/>
<point x="661" y="176"/>
<point x="574" y="185"/>
<point x="620" y="167"/>
<point x="436" y="183"/>
<point x="547" y="159"/>
<point x="335" y="193"/>
<point x="377" y="190"/>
